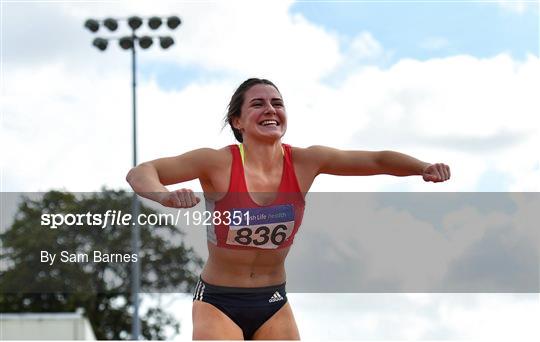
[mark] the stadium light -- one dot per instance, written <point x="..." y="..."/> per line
<point x="129" y="43"/>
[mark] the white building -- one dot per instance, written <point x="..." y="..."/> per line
<point x="45" y="326"/>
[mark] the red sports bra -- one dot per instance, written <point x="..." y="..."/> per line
<point x="243" y="224"/>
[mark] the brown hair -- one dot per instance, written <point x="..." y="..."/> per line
<point x="237" y="100"/>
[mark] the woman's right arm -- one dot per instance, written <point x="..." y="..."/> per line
<point x="149" y="178"/>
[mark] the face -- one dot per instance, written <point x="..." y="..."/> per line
<point x="263" y="114"/>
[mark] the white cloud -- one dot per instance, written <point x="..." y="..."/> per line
<point x="67" y="108"/>
<point x="456" y="317"/>
<point x="472" y="113"/>
<point x="492" y="317"/>
<point x="415" y="316"/>
<point x="416" y="242"/>
<point x="434" y="43"/>
<point x="518" y="6"/>
<point x="364" y="45"/>
<point x="79" y="103"/>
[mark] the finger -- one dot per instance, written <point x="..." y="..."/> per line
<point x="193" y="198"/>
<point x="438" y="174"/>
<point x="430" y="178"/>
<point x="175" y="199"/>
<point x="444" y="172"/>
<point x="172" y="200"/>
<point x="182" y="198"/>
<point x="186" y="193"/>
<point x="431" y="173"/>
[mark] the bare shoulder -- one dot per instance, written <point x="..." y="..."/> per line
<point x="216" y="181"/>
<point x="313" y="149"/>
<point x="311" y="155"/>
<point x="222" y="156"/>
<point x="214" y="156"/>
<point x="213" y="160"/>
<point x="306" y="161"/>
<point x="207" y="157"/>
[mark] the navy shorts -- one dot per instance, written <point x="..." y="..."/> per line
<point x="249" y="308"/>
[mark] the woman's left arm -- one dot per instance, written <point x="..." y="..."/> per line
<point x="362" y="163"/>
<point x="399" y="164"/>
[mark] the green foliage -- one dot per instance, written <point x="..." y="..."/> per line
<point x="101" y="288"/>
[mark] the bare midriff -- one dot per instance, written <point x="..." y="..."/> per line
<point x="244" y="268"/>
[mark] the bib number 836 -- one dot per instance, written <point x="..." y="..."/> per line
<point x="265" y="234"/>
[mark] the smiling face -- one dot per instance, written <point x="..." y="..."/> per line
<point x="263" y="115"/>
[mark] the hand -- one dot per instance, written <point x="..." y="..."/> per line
<point x="436" y="173"/>
<point x="182" y="198"/>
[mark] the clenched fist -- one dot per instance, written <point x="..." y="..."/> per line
<point x="182" y="198"/>
<point x="436" y="173"/>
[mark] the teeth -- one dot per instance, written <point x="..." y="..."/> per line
<point x="269" y="122"/>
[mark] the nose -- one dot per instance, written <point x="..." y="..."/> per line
<point x="270" y="109"/>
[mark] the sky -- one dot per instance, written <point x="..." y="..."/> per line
<point x="444" y="81"/>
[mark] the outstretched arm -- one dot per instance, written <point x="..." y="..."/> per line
<point x="149" y="179"/>
<point x="363" y="163"/>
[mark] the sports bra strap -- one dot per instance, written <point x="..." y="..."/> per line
<point x="241" y="147"/>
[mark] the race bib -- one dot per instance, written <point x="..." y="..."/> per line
<point x="267" y="227"/>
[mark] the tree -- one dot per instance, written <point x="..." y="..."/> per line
<point x="101" y="288"/>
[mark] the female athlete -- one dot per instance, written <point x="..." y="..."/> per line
<point x="259" y="186"/>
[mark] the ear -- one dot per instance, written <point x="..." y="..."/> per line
<point x="236" y="123"/>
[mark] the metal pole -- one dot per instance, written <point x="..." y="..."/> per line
<point x="135" y="233"/>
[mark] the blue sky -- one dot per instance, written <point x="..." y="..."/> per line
<point x="420" y="30"/>
<point x="475" y="28"/>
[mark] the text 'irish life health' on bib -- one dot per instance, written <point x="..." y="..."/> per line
<point x="265" y="227"/>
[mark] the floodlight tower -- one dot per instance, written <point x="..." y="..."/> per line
<point x="130" y="43"/>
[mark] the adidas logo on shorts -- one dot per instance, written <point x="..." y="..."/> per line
<point x="275" y="297"/>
